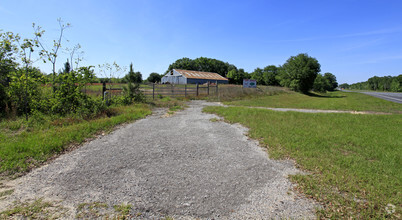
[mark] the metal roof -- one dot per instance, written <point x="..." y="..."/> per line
<point x="191" y="74"/>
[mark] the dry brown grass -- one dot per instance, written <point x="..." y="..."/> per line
<point x="236" y="92"/>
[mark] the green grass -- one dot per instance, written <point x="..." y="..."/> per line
<point x="173" y="104"/>
<point x="6" y="193"/>
<point x="37" y="209"/>
<point x="332" y="100"/>
<point x="91" y="210"/>
<point x="354" y="160"/>
<point x="122" y="209"/>
<point x="24" y="145"/>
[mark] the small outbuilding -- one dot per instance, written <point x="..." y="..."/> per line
<point x="192" y="77"/>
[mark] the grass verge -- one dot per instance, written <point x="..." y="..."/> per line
<point x="24" y="145"/>
<point x="331" y="100"/>
<point x="123" y="209"/>
<point x="354" y="160"/>
<point x="39" y="209"/>
<point x="35" y="210"/>
<point x="91" y="210"/>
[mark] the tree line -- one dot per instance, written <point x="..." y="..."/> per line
<point x="376" y="83"/>
<point x="203" y="64"/>
<point x="300" y="73"/>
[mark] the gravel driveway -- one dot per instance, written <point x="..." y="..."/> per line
<point x="184" y="166"/>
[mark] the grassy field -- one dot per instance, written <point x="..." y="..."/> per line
<point x="354" y="160"/>
<point x="332" y="100"/>
<point x="27" y="144"/>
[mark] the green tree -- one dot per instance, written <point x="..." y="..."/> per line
<point x="232" y="76"/>
<point x="270" y="74"/>
<point x="67" y="67"/>
<point x="26" y="49"/>
<point x="237" y="76"/>
<point x="133" y="77"/>
<point x="8" y="54"/>
<point x="51" y="55"/>
<point x="211" y="65"/>
<point x="258" y="75"/>
<point x="203" y="64"/>
<point x="183" y="63"/>
<point x="299" y="72"/>
<point x="384" y="83"/>
<point x="396" y="84"/>
<point x="344" y="86"/>
<point x="332" y="84"/>
<point x="154" y="77"/>
<point x="373" y="83"/>
<point x="321" y="84"/>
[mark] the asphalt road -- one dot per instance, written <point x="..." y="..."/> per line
<point x="184" y="166"/>
<point x="390" y="96"/>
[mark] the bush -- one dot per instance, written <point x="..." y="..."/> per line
<point x="23" y="91"/>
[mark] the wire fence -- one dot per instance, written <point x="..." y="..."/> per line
<point x="152" y="91"/>
<point x="173" y="90"/>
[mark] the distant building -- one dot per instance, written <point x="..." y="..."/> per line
<point x="192" y="77"/>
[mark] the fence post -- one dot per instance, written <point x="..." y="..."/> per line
<point x="172" y="89"/>
<point x="217" y="88"/>
<point x="153" y="91"/>
<point x="197" y="89"/>
<point x="185" y="90"/>
<point x="103" y="90"/>
<point x="208" y="88"/>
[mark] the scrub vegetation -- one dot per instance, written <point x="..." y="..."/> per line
<point x="43" y="115"/>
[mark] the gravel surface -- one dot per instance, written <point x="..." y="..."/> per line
<point x="184" y="166"/>
<point x="313" y="110"/>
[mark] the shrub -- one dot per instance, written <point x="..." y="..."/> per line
<point x="132" y="93"/>
<point x="23" y="91"/>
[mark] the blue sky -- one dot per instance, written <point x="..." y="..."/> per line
<point x="352" y="39"/>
